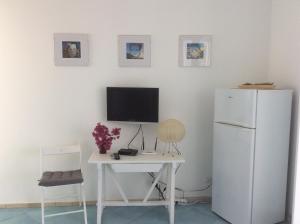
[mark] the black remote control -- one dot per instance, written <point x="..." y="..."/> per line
<point x="116" y="156"/>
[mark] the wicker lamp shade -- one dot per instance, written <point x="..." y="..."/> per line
<point x="171" y="130"/>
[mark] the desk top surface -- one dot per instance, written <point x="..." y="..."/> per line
<point x="140" y="158"/>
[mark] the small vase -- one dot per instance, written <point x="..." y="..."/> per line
<point x="102" y="150"/>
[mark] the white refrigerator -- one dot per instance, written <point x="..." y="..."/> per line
<point x="250" y="155"/>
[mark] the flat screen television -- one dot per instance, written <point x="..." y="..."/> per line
<point x="132" y="104"/>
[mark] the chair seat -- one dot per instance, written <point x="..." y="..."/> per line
<point x="58" y="178"/>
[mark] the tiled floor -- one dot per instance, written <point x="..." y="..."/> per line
<point x="189" y="214"/>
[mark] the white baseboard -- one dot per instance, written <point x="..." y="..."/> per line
<point x="203" y="199"/>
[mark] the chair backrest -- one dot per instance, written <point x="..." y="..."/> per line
<point x="58" y="151"/>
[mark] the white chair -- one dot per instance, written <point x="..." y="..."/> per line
<point x="61" y="178"/>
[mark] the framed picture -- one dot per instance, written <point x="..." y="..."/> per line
<point x="194" y="51"/>
<point x="71" y="49"/>
<point x="134" y="51"/>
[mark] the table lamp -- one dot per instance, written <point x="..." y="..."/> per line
<point x="171" y="132"/>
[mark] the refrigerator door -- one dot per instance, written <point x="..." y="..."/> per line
<point x="236" y="107"/>
<point x="233" y="155"/>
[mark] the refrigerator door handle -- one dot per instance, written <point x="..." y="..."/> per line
<point x="235" y="124"/>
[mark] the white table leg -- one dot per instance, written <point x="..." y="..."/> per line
<point x="99" y="197"/>
<point x="103" y="183"/>
<point x="172" y="194"/>
<point x="168" y="185"/>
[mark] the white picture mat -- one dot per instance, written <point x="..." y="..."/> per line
<point x="182" y="57"/>
<point x="123" y="61"/>
<point x="58" y="57"/>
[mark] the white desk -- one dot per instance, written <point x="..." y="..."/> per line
<point x="139" y="163"/>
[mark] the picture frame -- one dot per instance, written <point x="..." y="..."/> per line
<point x="194" y="50"/>
<point x="134" y="50"/>
<point x="71" y="49"/>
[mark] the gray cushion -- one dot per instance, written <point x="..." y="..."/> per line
<point x="57" y="178"/>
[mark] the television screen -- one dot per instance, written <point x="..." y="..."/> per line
<point x="132" y="104"/>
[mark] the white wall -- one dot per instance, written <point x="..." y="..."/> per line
<point x="285" y="72"/>
<point x="44" y="104"/>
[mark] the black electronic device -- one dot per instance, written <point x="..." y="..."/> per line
<point x="116" y="156"/>
<point x="132" y="104"/>
<point x="128" y="152"/>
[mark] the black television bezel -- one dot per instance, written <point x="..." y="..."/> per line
<point x="131" y="121"/>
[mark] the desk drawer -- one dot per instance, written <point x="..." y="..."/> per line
<point x="136" y="168"/>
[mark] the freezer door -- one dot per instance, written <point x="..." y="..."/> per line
<point x="233" y="153"/>
<point x="236" y="106"/>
